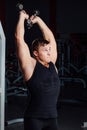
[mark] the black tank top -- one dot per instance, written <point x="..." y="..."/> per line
<point x="44" y="89"/>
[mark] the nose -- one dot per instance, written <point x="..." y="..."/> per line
<point x="48" y="52"/>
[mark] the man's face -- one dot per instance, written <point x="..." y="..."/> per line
<point x="44" y="53"/>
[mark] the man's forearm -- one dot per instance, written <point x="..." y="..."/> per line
<point x="47" y="33"/>
<point x="20" y="30"/>
<point x="19" y="33"/>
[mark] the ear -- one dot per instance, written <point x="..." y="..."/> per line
<point x="35" y="53"/>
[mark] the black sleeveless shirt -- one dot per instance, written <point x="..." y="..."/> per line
<point x="44" y="89"/>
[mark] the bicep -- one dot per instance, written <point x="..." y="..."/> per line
<point x="26" y="62"/>
<point x="23" y="53"/>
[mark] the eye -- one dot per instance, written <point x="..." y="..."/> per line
<point x="44" y="49"/>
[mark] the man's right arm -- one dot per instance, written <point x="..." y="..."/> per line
<point x="23" y="53"/>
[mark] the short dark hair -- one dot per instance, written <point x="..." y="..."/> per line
<point x="38" y="42"/>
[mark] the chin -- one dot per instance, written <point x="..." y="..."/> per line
<point x="48" y="61"/>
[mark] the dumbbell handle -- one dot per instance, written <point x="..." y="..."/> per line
<point x="29" y="22"/>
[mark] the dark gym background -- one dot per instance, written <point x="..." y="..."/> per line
<point x="68" y="21"/>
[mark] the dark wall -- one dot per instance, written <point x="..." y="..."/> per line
<point x="72" y="16"/>
<point x="2" y="13"/>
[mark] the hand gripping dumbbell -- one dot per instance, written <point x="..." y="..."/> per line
<point x="29" y="22"/>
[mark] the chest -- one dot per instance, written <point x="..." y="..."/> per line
<point x="44" y="80"/>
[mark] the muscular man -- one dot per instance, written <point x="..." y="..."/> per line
<point x="40" y="75"/>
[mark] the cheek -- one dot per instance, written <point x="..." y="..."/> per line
<point x="42" y="55"/>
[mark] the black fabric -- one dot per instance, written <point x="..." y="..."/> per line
<point x="40" y="124"/>
<point x="44" y="89"/>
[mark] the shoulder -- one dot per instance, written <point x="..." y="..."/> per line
<point x="54" y="66"/>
